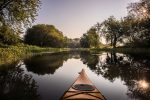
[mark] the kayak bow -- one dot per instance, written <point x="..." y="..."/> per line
<point x="83" y="89"/>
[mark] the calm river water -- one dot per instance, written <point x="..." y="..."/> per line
<point x="47" y="76"/>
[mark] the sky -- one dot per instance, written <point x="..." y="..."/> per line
<point x="75" y="17"/>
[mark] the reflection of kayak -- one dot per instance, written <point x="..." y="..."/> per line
<point x="83" y="89"/>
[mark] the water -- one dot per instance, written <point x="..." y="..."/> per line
<point x="47" y="76"/>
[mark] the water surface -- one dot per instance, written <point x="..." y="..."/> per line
<point x="47" y="76"/>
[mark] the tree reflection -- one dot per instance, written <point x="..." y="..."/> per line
<point x="134" y="70"/>
<point x="15" y="85"/>
<point x="45" y="63"/>
<point x="90" y="60"/>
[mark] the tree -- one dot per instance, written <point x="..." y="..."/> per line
<point x="93" y="37"/>
<point x="73" y="43"/>
<point x="7" y="36"/>
<point x="16" y="13"/>
<point x="90" y="39"/>
<point x="141" y="12"/>
<point x="44" y="35"/>
<point x="84" y="42"/>
<point x="66" y="41"/>
<point x="137" y="32"/>
<point x="112" y="30"/>
<point x="140" y="9"/>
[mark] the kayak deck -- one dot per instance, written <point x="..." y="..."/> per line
<point x="83" y="89"/>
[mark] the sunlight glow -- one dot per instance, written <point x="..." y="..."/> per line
<point x="143" y="84"/>
<point x="144" y="11"/>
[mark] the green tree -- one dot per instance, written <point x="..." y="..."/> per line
<point x="7" y="36"/>
<point x="66" y="41"/>
<point x="112" y="30"/>
<point x="84" y="42"/>
<point x="90" y="39"/>
<point x="93" y="37"/>
<point x="16" y="13"/>
<point x="140" y="9"/>
<point x="137" y="32"/>
<point x="141" y="12"/>
<point x="44" y="35"/>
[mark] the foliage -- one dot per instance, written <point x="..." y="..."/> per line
<point x="93" y="37"/>
<point x="71" y="43"/>
<point x="7" y="36"/>
<point x="112" y="30"/>
<point x="44" y="35"/>
<point x="16" y="13"/>
<point x="90" y="39"/>
<point x="140" y="9"/>
<point x="131" y="31"/>
<point x="13" y="53"/>
<point x="84" y="42"/>
<point x="66" y="41"/>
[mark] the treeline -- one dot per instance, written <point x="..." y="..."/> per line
<point x="48" y="36"/>
<point x="130" y="31"/>
<point x="42" y="35"/>
<point x="15" y="16"/>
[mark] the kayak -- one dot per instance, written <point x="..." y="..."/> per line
<point x="83" y="89"/>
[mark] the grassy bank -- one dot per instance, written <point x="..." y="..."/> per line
<point x="10" y="54"/>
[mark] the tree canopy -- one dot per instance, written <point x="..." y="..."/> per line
<point x="140" y="9"/>
<point x="44" y="35"/>
<point x="132" y="30"/>
<point x="18" y="13"/>
<point x="90" y="39"/>
<point x="7" y="36"/>
<point x="112" y="30"/>
<point x="84" y="42"/>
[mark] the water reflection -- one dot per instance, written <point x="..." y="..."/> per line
<point x="90" y="60"/>
<point x="48" y="63"/>
<point x="133" y="70"/>
<point x="45" y="63"/>
<point x="139" y="89"/>
<point x="15" y="85"/>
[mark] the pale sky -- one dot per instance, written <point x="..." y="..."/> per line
<point x="75" y="17"/>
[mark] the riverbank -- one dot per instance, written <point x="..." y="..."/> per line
<point x="122" y="50"/>
<point x="10" y="54"/>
